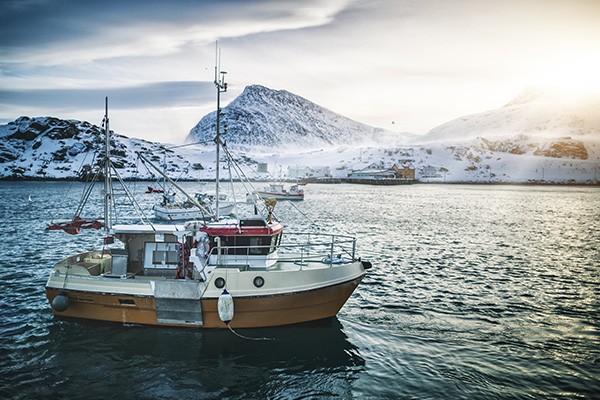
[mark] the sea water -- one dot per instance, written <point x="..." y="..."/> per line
<point x="476" y="292"/>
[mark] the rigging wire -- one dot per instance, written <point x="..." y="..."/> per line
<point x="195" y="202"/>
<point x="86" y="194"/>
<point x="243" y="178"/>
<point x="313" y="224"/>
<point x="189" y="144"/>
<point x="131" y="198"/>
<point x="241" y="174"/>
<point x="229" y="161"/>
<point x="152" y="174"/>
<point x="87" y="190"/>
<point x="72" y="184"/>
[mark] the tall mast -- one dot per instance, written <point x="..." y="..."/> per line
<point x="107" y="181"/>
<point x="221" y="87"/>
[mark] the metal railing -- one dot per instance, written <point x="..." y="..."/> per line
<point x="300" y="248"/>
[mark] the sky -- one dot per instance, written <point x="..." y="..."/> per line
<point x="401" y="65"/>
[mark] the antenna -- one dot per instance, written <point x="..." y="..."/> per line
<point x="217" y="54"/>
<point x="221" y="87"/>
<point x="107" y="171"/>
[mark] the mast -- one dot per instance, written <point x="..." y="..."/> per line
<point x="221" y="87"/>
<point x="107" y="181"/>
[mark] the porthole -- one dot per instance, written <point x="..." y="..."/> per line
<point x="259" y="281"/>
<point x="220" y="283"/>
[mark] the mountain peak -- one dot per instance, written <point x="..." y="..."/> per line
<point x="568" y="97"/>
<point x="528" y="95"/>
<point x="261" y="117"/>
<point x="256" y="89"/>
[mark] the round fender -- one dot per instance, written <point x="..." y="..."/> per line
<point x="61" y="302"/>
<point x="225" y="307"/>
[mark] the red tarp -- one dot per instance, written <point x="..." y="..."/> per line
<point x="152" y="190"/>
<point x="73" y="227"/>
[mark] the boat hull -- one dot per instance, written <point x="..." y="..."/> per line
<point x="178" y="214"/>
<point x="186" y="214"/>
<point x="250" y="311"/>
<point x="280" y="196"/>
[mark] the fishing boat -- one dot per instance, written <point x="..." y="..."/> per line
<point x="221" y="273"/>
<point x="279" y="192"/>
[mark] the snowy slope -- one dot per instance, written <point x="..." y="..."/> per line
<point x="51" y="148"/>
<point x="538" y="137"/>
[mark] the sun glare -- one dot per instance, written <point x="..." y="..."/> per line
<point x="574" y="76"/>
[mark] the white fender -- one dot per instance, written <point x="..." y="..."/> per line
<point x="225" y="307"/>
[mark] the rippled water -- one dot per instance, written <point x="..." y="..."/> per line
<point x="476" y="292"/>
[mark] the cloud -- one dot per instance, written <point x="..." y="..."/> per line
<point x="63" y="32"/>
<point x="416" y="62"/>
<point x="151" y="95"/>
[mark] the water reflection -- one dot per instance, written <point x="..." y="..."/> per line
<point x="306" y="360"/>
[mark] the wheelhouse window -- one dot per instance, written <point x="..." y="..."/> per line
<point x="255" y="243"/>
<point x="164" y="257"/>
<point x="248" y="245"/>
<point x="160" y="255"/>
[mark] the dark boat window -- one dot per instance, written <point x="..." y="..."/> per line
<point x="165" y="257"/>
<point x="162" y="254"/>
<point x="253" y="245"/>
<point x="252" y="222"/>
<point x="254" y="242"/>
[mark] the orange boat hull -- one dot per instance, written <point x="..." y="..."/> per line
<point x="250" y="312"/>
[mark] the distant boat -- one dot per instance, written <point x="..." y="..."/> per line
<point x="379" y="181"/>
<point x="170" y="210"/>
<point x="403" y="175"/>
<point x="279" y="192"/>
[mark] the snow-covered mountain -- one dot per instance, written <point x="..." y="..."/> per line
<point x="262" y="118"/>
<point x="537" y="113"/>
<point x="51" y="148"/>
<point x="538" y="137"/>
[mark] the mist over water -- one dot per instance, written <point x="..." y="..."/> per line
<point x="475" y="292"/>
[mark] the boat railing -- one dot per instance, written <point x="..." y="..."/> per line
<point x="309" y="245"/>
<point x="298" y="248"/>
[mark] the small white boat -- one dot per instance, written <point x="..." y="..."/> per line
<point x="226" y="206"/>
<point x="170" y="210"/>
<point x="279" y="192"/>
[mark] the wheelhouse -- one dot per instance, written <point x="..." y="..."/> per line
<point x="251" y="243"/>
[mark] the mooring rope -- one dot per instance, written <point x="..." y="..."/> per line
<point x="247" y="337"/>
